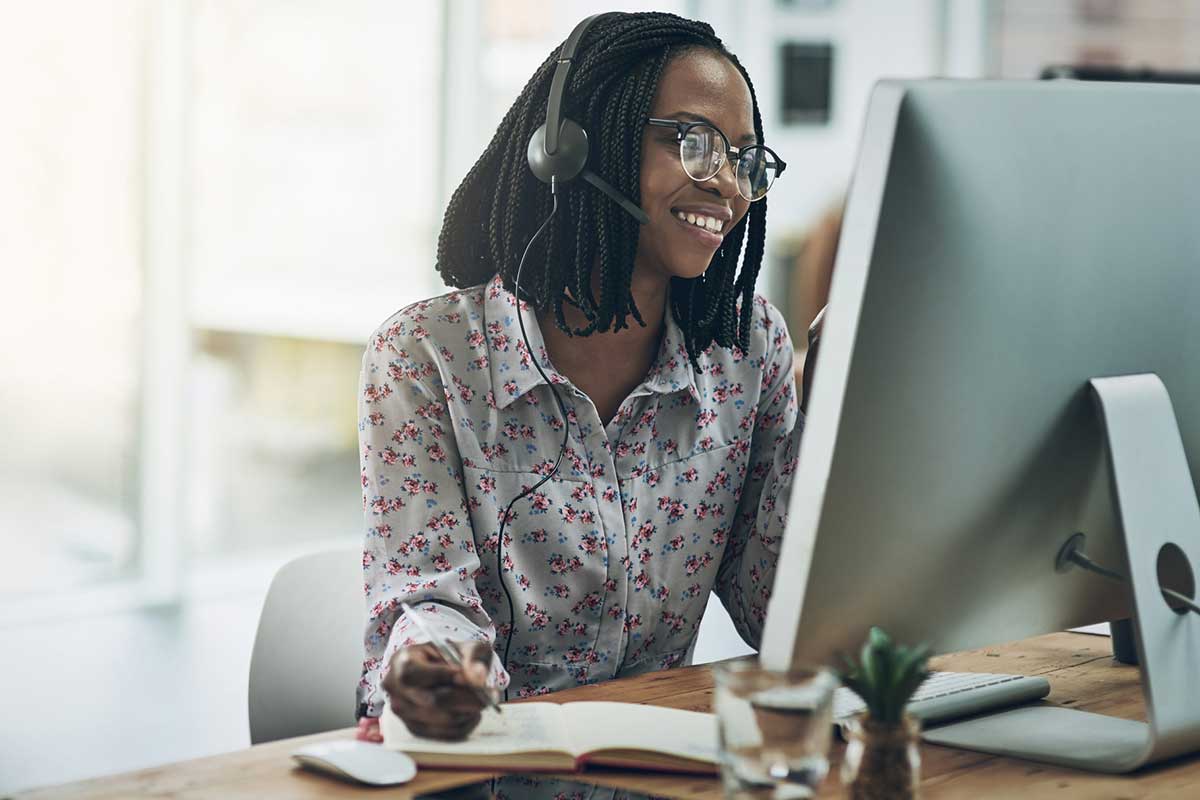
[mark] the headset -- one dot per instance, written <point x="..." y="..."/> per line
<point x="557" y="154"/>
<point x="558" y="150"/>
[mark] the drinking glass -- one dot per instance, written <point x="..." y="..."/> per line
<point x="774" y="729"/>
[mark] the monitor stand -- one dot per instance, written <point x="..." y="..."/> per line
<point x="1156" y="505"/>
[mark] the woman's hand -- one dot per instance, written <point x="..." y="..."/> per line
<point x="436" y="699"/>
<point x="810" y="359"/>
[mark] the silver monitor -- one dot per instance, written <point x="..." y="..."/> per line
<point x="1004" y="244"/>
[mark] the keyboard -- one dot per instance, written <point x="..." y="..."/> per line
<point x="948" y="695"/>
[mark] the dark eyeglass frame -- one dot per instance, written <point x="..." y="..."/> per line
<point x="730" y="153"/>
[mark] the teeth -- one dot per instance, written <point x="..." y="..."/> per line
<point x="701" y="221"/>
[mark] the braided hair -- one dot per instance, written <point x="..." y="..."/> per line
<point x="500" y="203"/>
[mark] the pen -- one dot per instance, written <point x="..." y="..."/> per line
<point x="449" y="653"/>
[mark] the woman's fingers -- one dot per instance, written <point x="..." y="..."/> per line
<point x="451" y="699"/>
<point x="424" y="716"/>
<point x="434" y="698"/>
<point x="368" y="730"/>
<point x="477" y="663"/>
<point x="477" y="667"/>
<point x="479" y="652"/>
<point x="422" y="665"/>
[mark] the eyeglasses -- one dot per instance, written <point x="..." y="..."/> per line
<point x="704" y="149"/>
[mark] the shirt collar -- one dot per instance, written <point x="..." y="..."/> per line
<point x="513" y="373"/>
<point x="512" y="370"/>
<point x="672" y="370"/>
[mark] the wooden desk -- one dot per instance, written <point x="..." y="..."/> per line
<point x="1081" y="672"/>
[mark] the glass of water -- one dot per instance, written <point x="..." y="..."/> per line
<point x="775" y="729"/>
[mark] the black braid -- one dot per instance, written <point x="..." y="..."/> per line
<point x="500" y="203"/>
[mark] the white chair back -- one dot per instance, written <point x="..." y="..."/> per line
<point x="308" y="651"/>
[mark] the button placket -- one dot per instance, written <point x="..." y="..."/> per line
<point x="628" y="415"/>
<point x="611" y="525"/>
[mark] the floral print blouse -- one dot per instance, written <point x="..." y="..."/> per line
<point x="609" y="563"/>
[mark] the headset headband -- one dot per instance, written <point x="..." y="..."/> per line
<point x="559" y="84"/>
<point x="558" y="149"/>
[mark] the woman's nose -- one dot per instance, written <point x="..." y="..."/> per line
<point x="725" y="180"/>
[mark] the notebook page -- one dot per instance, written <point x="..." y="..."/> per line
<point x="522" y="728"/>
<point x="631" y="726"/>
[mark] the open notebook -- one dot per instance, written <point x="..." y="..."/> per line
<point x="565" y="737"/>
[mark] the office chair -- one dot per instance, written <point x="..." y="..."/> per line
<point x="308" y="651"/>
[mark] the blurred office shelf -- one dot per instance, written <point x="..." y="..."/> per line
<point x="282" y="308"/>
<point x="272" y="444"/>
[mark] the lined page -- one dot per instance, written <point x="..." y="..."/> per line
<point x="631" y="726"/>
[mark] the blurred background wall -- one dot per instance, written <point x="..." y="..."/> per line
<point x="205" y="208"/>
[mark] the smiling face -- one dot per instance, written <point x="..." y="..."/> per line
<point x="698" y="85"/>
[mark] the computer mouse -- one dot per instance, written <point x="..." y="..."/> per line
<point x="364" y="762"/>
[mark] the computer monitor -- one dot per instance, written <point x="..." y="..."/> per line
<point x="1005" y="243"/>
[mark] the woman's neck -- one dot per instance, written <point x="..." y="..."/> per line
<point x="608" y="365"/>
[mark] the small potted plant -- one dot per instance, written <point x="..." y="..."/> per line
<point x="882" y="760"/>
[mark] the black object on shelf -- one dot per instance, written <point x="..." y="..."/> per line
<point x="807" y="82"/>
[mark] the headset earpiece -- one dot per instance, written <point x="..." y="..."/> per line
<point x="567" y="161"/>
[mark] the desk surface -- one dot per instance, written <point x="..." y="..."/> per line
<point x="1079" y="667"/>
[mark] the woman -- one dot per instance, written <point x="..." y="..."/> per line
<point x="682" y="428"/>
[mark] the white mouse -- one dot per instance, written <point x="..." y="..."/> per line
<point x="364" y="762"/>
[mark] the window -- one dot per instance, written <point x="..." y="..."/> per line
<point x="71" y="311"/>
<point x="301" y="144"/>
<point x="316" y="150"/>
<point x="315" y="130"/>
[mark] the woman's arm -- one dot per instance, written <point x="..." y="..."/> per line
<point x="747" y="570"/>
<point x="419" y="545"/>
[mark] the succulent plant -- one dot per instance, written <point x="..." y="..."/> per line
<point x="886" y="675"/>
